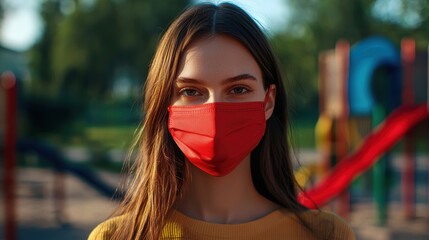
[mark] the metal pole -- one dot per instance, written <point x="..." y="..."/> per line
<point x="9" y="84"/>
<point x="427" y="95"/>
<point x="408" y="52"/>
<point x="380" y="170"/>
<point x="342" y="50"/>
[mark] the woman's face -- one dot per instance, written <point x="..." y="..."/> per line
<point x="217" y="69"/>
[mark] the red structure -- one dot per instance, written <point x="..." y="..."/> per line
<point x="408" y="53"/>
<point x="9" y="84"/>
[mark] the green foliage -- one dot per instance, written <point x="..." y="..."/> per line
<point x="302" y="134"/>
<point x="41" y="54"/>
<point x="298" y="64"/>
<point x="87" y="48"/>
<point x="1" y="9"/>
<point x="88" y="45"/>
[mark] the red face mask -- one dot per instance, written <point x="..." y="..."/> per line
<point x="216" y="137"/>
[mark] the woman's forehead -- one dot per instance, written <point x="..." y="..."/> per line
<point x="218" y="56"/>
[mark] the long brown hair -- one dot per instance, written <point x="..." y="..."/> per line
<point x="159" y="170"/>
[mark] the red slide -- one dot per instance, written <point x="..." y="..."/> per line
<point x="378" y="142"/>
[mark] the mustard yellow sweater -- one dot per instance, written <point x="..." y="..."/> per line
<point x="279" y="224"/>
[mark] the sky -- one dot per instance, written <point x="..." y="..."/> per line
<point x="271" y="14"/>
<point x="22" y="24"/>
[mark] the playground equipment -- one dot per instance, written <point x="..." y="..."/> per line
<point x="9" y="84"/>
<point x="348" y="79"/>
<point x="332" y="126"/>
<point x="12" y="145"/>
<point x="377" y="143"/>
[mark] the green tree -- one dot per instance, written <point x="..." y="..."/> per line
<point x="90" y="45"/>
<point x="41" y="53"/>
<point x="1" y="9"/>
<point x="298" y="64"/>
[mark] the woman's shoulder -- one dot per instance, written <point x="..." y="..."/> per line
<point x="105" y="229"/>
<point x="329" y="224"/>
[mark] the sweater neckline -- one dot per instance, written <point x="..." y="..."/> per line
<point x="250" y="228"/>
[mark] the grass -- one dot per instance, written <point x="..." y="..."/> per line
<point x="109" y="137"/>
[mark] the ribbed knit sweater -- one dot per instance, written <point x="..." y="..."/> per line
<point x="280" y="224"/>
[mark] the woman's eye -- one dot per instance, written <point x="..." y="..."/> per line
<point x="188" y="92"/>
<point x="239" y="90"/>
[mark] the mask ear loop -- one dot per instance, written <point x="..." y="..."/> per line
<point x="267" y="95"/>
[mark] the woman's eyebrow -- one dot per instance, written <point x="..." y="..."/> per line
<point x="238" y="78"/>
<point x="224" y="82"/>
<point x="187" y="80"/>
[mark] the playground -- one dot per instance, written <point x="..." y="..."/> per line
<point x="372" y="82"/>
<point x="85" y="208"/>
<point x="370" y="165"/>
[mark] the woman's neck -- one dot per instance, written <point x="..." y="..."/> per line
<point x="229" y="199"/>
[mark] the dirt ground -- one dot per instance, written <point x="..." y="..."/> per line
<point x="84" y="208"/>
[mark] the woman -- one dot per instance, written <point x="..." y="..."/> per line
<point x="213" y="158"/>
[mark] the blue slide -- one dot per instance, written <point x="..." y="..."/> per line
<point x="49" y="153"/>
